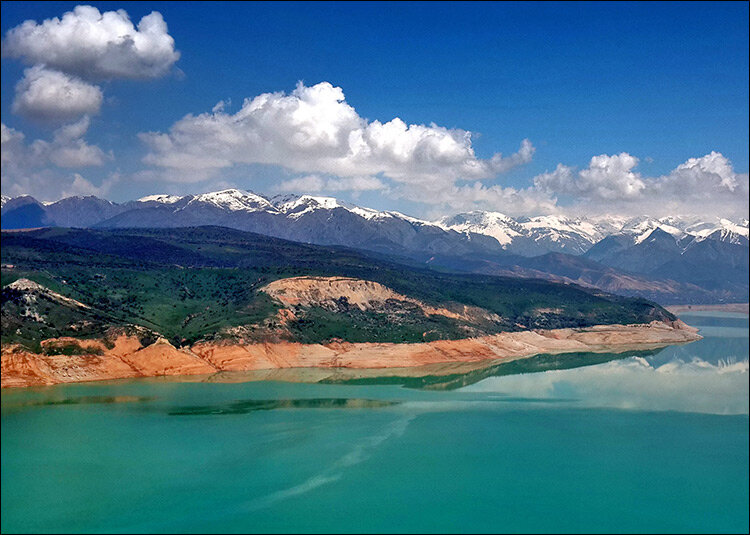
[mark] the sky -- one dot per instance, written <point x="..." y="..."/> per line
<point x="426" y="108"/>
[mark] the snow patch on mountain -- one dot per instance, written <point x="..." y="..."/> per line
<point x="234" y="200"/>
<point x="160" y="198"/>
<point x="493" y="224"/>
<point x="557" y="226"/>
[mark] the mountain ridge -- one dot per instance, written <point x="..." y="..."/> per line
<point x="492" y="242"/>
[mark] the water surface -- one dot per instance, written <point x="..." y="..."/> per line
<point x="641" y="442"/>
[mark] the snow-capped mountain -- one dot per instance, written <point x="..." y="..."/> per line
<point x="724" y="230"/>
<point x="629" y="255"/>
<point x="297" y="206"/>
<point x="303" y="218"/>
<point x="233" y="200"/>
<point x="331" y="221"/>
<point x="3" y="200"/>
<point x="531" y="236"/>
<point x="527" y="236"/>
<point x="687" y="230"/>
<point x="717" y="259"/>
<point x="563" y="234"/>
<point x="499" y="226"/>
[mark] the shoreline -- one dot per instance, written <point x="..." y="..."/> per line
<point x="742" y="308"/>
<point x="128" y="359"/>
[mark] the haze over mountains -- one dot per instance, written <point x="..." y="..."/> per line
<point x="672" y="259"/>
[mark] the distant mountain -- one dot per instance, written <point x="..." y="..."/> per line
<point x="25" y="212"/>
<point x="82" y="211"/>
<point x="654" y="258"/>
<point x="531" y="236"/>
<point x="716" y="261"/>
<point x="326" y="220"/>
<point x="582" y="271"/>
<point x="307" y="219"/>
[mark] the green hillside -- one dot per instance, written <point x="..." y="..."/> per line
<point x="190" y="283"/>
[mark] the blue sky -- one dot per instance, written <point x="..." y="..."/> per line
<point x="662" y="82"/>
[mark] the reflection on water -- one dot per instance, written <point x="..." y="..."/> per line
<point x="441" y="376"/>
<point x="13" y="403"/>
<point x="453" y="381"/>
<point x="633" y="383"/>
<point x="706" y="376"/>
<point x="250" y="405"/>
<point x="709" y="375"/>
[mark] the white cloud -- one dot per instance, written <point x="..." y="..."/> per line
<point x="711" y="172"/>
<point x="38" y="168"/>
<point x="49" y="95"/>
<point x="606" y="178"/>
<point x="94" y="45"/>
<point x="303" y="184"/>
<point x="477" y="196"/>
<point x="316" y="183"/>
<point x="13" y="154"/>
<point x="82" y="186"/>
<point x="68" y="149"/>
<point x="314" y="130"/>
<point x="706" y="186"/>
<point x="356" y="183"/>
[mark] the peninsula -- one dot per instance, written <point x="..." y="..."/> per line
<point x="83" y="305"/>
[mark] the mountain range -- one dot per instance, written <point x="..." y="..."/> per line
<point x="670" y="259"/>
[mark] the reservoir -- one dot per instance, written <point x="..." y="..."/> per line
<point x="646" y="442"/>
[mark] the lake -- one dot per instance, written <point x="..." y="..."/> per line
<point x="647" y="442"/>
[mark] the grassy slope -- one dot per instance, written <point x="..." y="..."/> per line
<point x="190" y="283"/>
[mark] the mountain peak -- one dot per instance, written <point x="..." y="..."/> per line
<point x="494" y="224"/>
<point x="292" y="203"/>
<point x="234" y="200"/>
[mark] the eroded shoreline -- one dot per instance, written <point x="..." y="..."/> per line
<point x="742" y="308"/>
<point x="129" y="359"/>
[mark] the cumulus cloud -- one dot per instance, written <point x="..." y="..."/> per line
<point x="706" y="185"/>
<point x="49" y="95"/>
<point x="606" y="178"/>
<point x="314" y="130"/>
<point x="700" y="186"/>
<point x="39" y="167"/>
<point x="94" y="45"/>
<point x="68" y="148"/>
<point x="712" y="171"/>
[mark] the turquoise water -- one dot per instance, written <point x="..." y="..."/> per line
<point x="646" y="443"/>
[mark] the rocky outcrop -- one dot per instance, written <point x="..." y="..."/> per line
<point x="127" y="358"/>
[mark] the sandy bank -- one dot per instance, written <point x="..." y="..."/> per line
<point x="128" y="359"/>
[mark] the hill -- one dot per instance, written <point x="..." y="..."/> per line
<point x="190" y="284"/>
